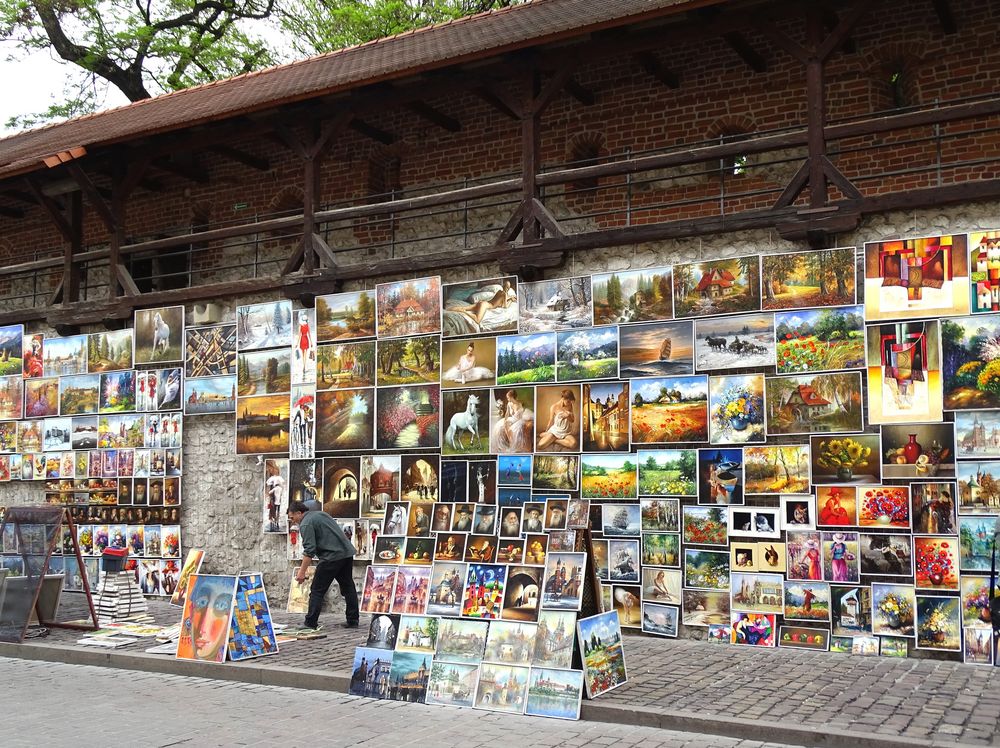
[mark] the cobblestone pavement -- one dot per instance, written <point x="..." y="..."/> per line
<point x="929" y="700"/>
<point x="54" y="704"/>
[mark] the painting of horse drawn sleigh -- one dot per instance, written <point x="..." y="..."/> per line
<point x="730" y="342"/>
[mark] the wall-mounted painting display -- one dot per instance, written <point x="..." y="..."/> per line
<point x="109" y="351"/>
<point x="608" y="476"/>
<point x="776" y="469"/>
<point x="78" y="395"/>
<point x="936" y="562"/>
<point x="466" y="418"/>
<point x="814" y="403"/>
<point x="918" y="450"/>
<point x="555" y="472"/>
<point x="893" y="609"/>
<point x="734" y="342"/>
<point x="971" y="362"/>
<point x="606" y="417"/>
<point x="526" y="359"/>
<point x="303" y="354"/>
<point x="159" y="335"/>
<point x="984" y="271"/>
<point x="12" y="396"/>
<point x="407" y="417"/>
<point x="410" y="361"/>
<point x="720" y="476"/>
<point x="10" y="349"/>
<point x="633" y="296"/>
<point x="587" y="354"/>
<point x="886" y="555"/>
<point x="979" y="487"/>
<point x="657" y="349"/>
<point x="559" y="304"/>
<point x="705" y="608"/>
<point x="208" y="395"/>
<point x="851" y="460"/>
<point x="41" y="397"/>
<point x="820" y="339"/>
<point x="468" y="363"/>
<point x="262" y="424"/>
<point x="410" y="307"/>
<point x="904" y="372"/>
<point x="932" y="508"/>
<point x="512" y="420"/>
<point x="841" y="551"/>
<point x="65" y="356"/>
<point x="977" y="433"/>
<point x="939" y="623"/>
<point x="669" y="410"/>
<point x="265" y="372"/>
<point x="477" y="307"/>
<point x="117" y="392"/>
<point x="345" y="316"/>
<point x="717" y="287"/>
<point x="975" y="536"/>
<point x="736" y="404"/>
<point x="557" y="423"/>
<point x="909" y="278"/>
<point x="667" y="472"/>
<point x="345" y="365"/>
<point x="266" y="325"/>
<point x="209" y="351"/>
<point x="801" y="280"/>
<point x="753" y="629"/>
<point x="884" y="506"/>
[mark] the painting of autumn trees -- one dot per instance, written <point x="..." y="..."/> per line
<point x="801" y="280"/>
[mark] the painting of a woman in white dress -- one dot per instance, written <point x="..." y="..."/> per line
<point x="475" y="365"/>
<point x="560" y="432"/>
<point x="513" y="421"/>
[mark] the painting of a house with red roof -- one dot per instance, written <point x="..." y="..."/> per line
<point x="411" y="307"/>
<point x="717" y="287"/>
<point x="814" y="404"/>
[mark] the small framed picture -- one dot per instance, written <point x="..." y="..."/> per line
<point x="798" y="512"/>
<point x="755" y="522"/>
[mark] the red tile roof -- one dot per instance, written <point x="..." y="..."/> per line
<point x="429" y="48"/>
<point x="722" y="278"/>
<point x="809" y="396"/>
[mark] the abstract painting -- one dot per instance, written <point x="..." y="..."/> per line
<point x="904" y="372"/>
<point x="911" y="278"/>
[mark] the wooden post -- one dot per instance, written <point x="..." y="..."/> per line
<point x="816" y="108"/>
<point x="530" y="147"/>
<point x="71" y="271"/>
<point x="310" y="200"/>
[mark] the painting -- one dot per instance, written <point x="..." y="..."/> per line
<point x="984" y="271"/>
<point x="11" y="397"/>
<point x="345" y="365"/>
<point x="10" y="350"/>
<point x="758" y="592"/>
<point x="814" y="403"/>
<point x="978" y="487"/>
<point x="669" y="410"/>
<point x="418" y="478"/>
<point x="192" y="564"/>
<point x="841" y="551"/>
<point x="208" y="395"/>
<point x="667" y="472"/>
<point x="262" y="424"/>
<point x="502" y="688"/>
<point x="557" y="426"/>
<point x="776" y="469"/>
<point x="521" y="598"/>
<point x="837" y="506"/>
<point x="380" y="581"/>
<point x="65" y="356"/>
<point x="704" y="608"/>
<point x="263" y="372"/>
<point x="276" y="494"/>
<point x="620" y="520"/>
<point x="806" y="601"/>
<point x="410" y="307"/>
<point x="756" y="522"/>
<point x="452" y="683"/>
<point x="117" y="392"/>
<point x="660" y="515"/>
<point x="41" y="397"/>
<point x="204" y="627"/>
<point x="482" y="306"/>
<point x="417" y="633"/>
<point x="554" y="693"/>
<point x="976" y="601"/>
<point x="734" y="342"/>
<point x="608" y="476"/>
<point x="78" y="395"/>
<point x="303" y="353"/>
<point x="559" y="304"/>
<point x="483" y="481"/>
<point x="251" y="633"/>
<point x="408" y="676"/>
<point x="918" y="450"/>
<point x="851" y="610"/>
<point x="660" y="620"/>
<point x="418" y="360"/>
<point x="717" y="287"/>
<point x="743" y="556"/>
<point x="606" y="417"/>
<point x="936" y="562"/>
<point x="820" y="340"/>
<point x="705" y="525"/>
<point x="340" y="485"/>
<point x="921" y="277"/>
<point x="706" y="570"/>
<point x="939" y="623"/>
<point x="468" y="363"/>
<point x="408" y="417"/>
<point x="804" y="637"/>
<point x="159" y="335"/>
<point x="600" y="642"/>
<point x="484" y="590"/>
<point x="510" y="642"/>
<point x="633" y="296"/>
<point x="556" y="472"/>
<point x="467" y="417"/>
<point x="663" y="585"/>
<point x="978" y="646"/>
<point x="563" y="586"/>
<point x="892" y="646"/>
<point x="847" y="460"/>
<point x="109" y="351"/>
<point x="975" y="537"/>
<point x="884" y="506"/>
<point x="800" y="280"/>
<point x="587" y="354"/>
<point x="753" y="629"/>
<point x="886" y="555"/>
<point x="370" y="672"/>
<point x="803" y="549"/>
<point x="798" y="512"/>
<point x="656" y="350"/>
<point x="460" y="640"/>
<point x="209" y="351"/>
<point x="345" y="316"/>
<point x="526" y="359"/>
<point x="904" y="372"/>
<point x="736" y="404"/>
<point x="977" y="433"/>
<point x="660" y="549"/>
<point x="31" y="355"/>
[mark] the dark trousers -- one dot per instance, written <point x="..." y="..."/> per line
<point x="325" y="574"/>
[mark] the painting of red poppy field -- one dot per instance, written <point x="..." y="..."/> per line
<point x="820" y="339"/>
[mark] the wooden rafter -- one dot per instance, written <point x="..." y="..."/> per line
<point x="580" y="92"/>
<point x="739" y="44"/>
<point x="241" y="157"/>
<point x="185" y="171"/>
<point x="652" y="65"/>
<point x="371" y="131"/>
<point x="435" y="116"/>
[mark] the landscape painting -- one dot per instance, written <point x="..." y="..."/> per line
<point x="109" y="351"/>
<point x="41" y="397"/>
<point x="734" y="342"/>
<point x="262" y="424"/>
<point x="814" y="403"/>
<point x="481" y="306"/>
<point x="656" y="350"/>
<point x="408" y="417"/>
<point x="526" y="359"/>
<point x="971" y="362"/>
<point x="912" y="278"/>
<point x="65" y="356"/>
<point x="977" y="433"/>
<point x="264" y="372"/>
<point x="605" y="417"/>
<point x="11" y="397"/>
<point x="267" y="325"/>
<point x="408" y="360"/>
<point x="820" y="339"/>
<point x="410" y="307"/>
<point x="159" y="335"/>
<point x="79" y="395"/>
<point x="801" y="280"/>
<point x="344" y="419"/>
<point x="669" y="410"/>
<point x="730" y="286"/>
<point x="587" y="354"/>
<point x="10" y="349"/>
<point x="117" y="392"/>
<point x="607" y="476"/>
<point x="633" y="296"/>
<point x="667" y="472"/>
<point x="345" y="316"/>
<point x="776" y="469"/>
<point x="551" y="305"/>
<point x="207" y="395"/>
<point x="345" y="365"/>
<point x="904" y="372"/>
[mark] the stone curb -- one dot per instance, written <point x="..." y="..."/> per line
<point x="593" y="711"/>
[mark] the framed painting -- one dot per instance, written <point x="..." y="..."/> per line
<point x="65" y="356"/>
<point x="840" y="557"/>
<point x="798" y="512"/>
<point x="984" y="271"/>
<point x="345" y="365"/>
<point x="936" y="562"/>
<point x="884" y="506"/>
<point x="668" y="410"/>
<point x="886" y="555"/>
<point x="262" y="424"/>
<point x="554" y="693"/>
<point x="660" y="515"/>
<point x="918" y="450"/>
<point x="913" y="278"/>
<point x="608" y="476"/>
<point x="705" y="525"/>
<point x="806" y="601"/>
<point x="587" y="354"/>
<point x="977" y="433"/>
<point x="804" y="637"/>
<point x="266" y="372"/>
<point x="720" y="476"/>
<point x="557" y="424"/>
<point x="206" y="618"/>
<point x="776" y="469"/>
<point x="159" y="335"/>
<point x="758" y="592"/>
<point x="975" y="540"/>
<point x="410" y="307"/>
<point x="633" y="296"/>
<point x="480" y="306"/>
<point x="978" y="487"/>
<point x="526" y="359"/>
<point x="736" y="404"/>
<point x="555" y="472"/>
<point x="344" y="419"/>
<point x="208" y="395"/>
<point x="600" y="641"/>
<point x="737" y="342"/>
<point x="559" y="304"/>
<point x="904" y="372"/>
<point x="41" y="397"/>
<point x="851" y="610"/>
<point x="939" y="623"/>
<point x="706" y="570"/>
<point x="730" y="286"/>
<point x="932" y="508"/>
<point x="802" y="280"/>
<point x="970" y="365"/>
<point x="754" y="629"/>
<point x="12" y="397"/>
<point x="660" y="620"/>
<point x="705" y="608"/>
<point x="656" y="350"/>
<point x="468" y="422"/>
<point x="820" y="340"/>
<point x="345" y="316"/>
<point x="814" y="403"/>
<point x="754" y="522"/>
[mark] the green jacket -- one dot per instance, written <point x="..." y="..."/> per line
<point x="323" y="539"/>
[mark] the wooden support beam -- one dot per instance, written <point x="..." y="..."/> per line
<point x="545" y="218"/>
<point x="125" y="278"/>
<point x="541" y="100"/>
<point x="241" y="157"/>
<point x="497" y="100"/>
<point x="323" y="251"/>
<point x="434" y="116"/>
<point x="535" y="100"/>
<point x="24" y="197"/>
<point x="70" y="282"/>
<point x="946" y="17"/>
<point x="739" y="44"/>
<point x="794" y="188"/>
<point x="830" y="21"/>
<point x="649" y="62"/>
<point x="94" y="197"/>
<point x="816" y="108"/>
<point x="579" y="92"/>
<point x="50" y="206"/>
<point x="185" y="171"/>
<point x="11" y="212"/>
<point x="370" y="131"/>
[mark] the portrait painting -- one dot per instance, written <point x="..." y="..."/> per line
<point x="205" y="621"/>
